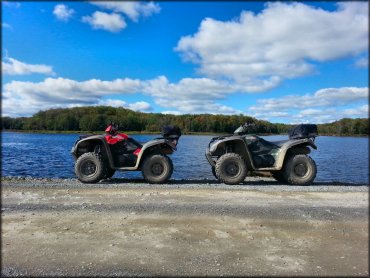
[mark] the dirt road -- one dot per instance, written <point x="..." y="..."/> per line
<point x="183" y="230"/>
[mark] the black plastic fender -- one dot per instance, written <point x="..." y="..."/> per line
<point x="92" y="141"/>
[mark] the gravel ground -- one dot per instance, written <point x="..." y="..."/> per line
<point x="120" y="227"/>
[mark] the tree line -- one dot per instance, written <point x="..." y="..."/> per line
<point x="96" y="118"/>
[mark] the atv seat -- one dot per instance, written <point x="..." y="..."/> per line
<point x="260" y="146"/>
<point x="134" y="142"/>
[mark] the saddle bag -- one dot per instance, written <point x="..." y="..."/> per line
<point x="172" y="132"/>
<point x="303" y="131"/>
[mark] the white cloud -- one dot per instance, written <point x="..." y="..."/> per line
<point x="271" y="114"/>
<point x="317" y="116"/>
<point x="111" y="22"/>
<point x="136" y="106"/>
<point x="197" y="106"/>
<point x="362" y="62"/>
<point x="62" y="12"/>
<point x="112" y="102"/>
<point x="26" y="98"/>
<point x="325" y="105"/>
<point x="189" y="88"/>
<point x="6" y="26"/>
<point x="11" y="4"/>
<point x="171" y="112"/>
<point x="191" y="95"/>
<point x="323" y="97"/>
<point x="12" y="66"/>
<point x="310" y="112"/>
<point x="328" y="115"/>
<point x="278" y="43"/>
<point x="132" y="9"/>
<point x="361" y="111"/>
<point x="67" y="90"/>
<point x="186" y="96"/>
<point x="140" y="106"/>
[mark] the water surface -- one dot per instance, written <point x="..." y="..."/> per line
<point x="342" y="159"/>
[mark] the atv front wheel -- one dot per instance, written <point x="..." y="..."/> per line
<point x="157" y="168"/>
<point x="89" y="168"/>
<point x="231" y="168"/>
<point x="300" y="170"/>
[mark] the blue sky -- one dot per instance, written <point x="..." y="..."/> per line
<point x="282" y="62"/>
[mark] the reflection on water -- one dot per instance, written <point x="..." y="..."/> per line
<point x="344" y="159"/>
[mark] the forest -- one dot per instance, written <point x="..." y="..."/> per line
<point x="96" y="118"/>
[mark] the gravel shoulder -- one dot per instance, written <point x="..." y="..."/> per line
<point x="60" y="227"/>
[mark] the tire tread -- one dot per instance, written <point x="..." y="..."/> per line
<point x="167" y="177"/>
<point x="101" y="168"/>
<point x="218" y="167"/>
<point x="290" y="178"/>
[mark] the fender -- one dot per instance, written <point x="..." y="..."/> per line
<point x="88" y="141"/>
<point x="146" y="147"/>
<point x="238" y="143"/>
<point x="287" y="146"/>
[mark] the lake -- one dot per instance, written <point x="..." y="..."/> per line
<point x="342" y="159"/>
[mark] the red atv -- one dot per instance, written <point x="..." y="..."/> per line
<point x="99" y="156"/>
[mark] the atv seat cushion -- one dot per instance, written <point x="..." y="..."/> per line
<point x="260" y="146"/>
<point x="134" y="142"/>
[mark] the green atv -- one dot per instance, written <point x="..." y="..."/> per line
<point x="233" y="156"/>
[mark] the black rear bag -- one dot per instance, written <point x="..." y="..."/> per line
<point x="170" y="131"/>
<point x="303" y="131"/>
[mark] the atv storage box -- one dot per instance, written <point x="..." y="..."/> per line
<point x="170" y="131"/>
<point x="303" y="131"/>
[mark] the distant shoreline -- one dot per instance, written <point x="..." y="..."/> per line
<point x="153" y="133"/>
<point x="101" y="132"/>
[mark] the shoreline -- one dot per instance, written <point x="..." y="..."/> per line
<point x="154" y="133"/>
<point x="256" y="183"/>
<point x="101" y="132"/>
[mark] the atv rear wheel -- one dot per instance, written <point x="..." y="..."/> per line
<point x="279" y="176"/>
<point x="157" y="168"/>
<point x="231" y="168"/>
<point x="89" y="168"/>
<point x="300" y="170"/>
